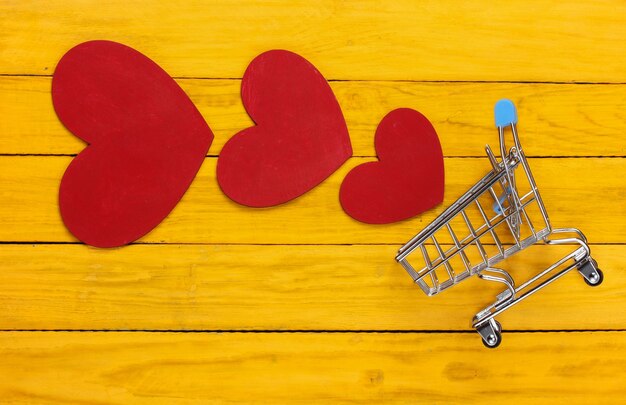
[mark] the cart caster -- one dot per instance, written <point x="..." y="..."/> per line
<point x="591" y="273"/>
<point x="491" y="334"/>
<point x="598" y="281"/>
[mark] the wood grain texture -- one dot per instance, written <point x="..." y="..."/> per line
<point x="282" y="288"/>
<point x="399" y="40"/>
<point x="556" y="119"/>
<point x="230" y="268"/>
<point x="586" y="193"/>
<point x="189" y="368"/>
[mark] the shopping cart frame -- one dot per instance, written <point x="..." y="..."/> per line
<point x="511" y="215"/>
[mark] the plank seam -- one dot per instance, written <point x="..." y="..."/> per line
<point x="353" y="156"/>
<point x="549" y="82"/>
<point x="43" y="243"/>
<point x="305" y="331"/>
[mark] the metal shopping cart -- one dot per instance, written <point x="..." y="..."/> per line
<point x="498" y="217"/>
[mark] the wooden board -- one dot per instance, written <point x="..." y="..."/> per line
<point x="555" y="119"/>
<point x="398" y="40"/>
<point x="220" y="269"/>
<point x="570" y="187"/>
<point x="302" y="368"/>
<point x="234" y="287"/>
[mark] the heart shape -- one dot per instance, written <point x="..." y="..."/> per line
<point x="146" y="141"/>
<point x="408" y="178"/>
<point x="300" y="137"/>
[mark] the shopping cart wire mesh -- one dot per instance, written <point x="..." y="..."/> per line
<point x="500" y="215"/>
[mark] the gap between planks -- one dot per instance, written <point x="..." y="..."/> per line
<point x="377" y="80"/>
<point x="43" y="243"/>
<point x="353" y="156"/>
<point x="305" y="331"/>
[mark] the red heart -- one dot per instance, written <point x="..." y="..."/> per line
<point x="408" y="178"/>
<point x="147" y="142"/>
<point x="300" y="137"/>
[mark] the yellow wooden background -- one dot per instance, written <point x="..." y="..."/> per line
<point x="299" y="303"/>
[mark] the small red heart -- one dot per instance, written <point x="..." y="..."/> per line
<point x="146" y="141"/>
<point x="408" y="178"/>
<point x="300" y="137"/>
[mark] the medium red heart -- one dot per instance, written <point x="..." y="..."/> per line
<point x="146" y="141"/>
<point x="300" y="137"/>
<point x="408" y="178"/>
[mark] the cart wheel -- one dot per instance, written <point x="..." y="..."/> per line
<point x="490" y="333"/>
<point x="493" y="340"/>
<point x="599" y="281"/>
<point x="591" y="273"/>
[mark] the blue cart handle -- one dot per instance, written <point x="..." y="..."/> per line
<point x="505" y="113"/>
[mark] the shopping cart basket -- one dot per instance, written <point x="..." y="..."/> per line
<point x="498" y="217"/>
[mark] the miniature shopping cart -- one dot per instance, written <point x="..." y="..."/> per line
<point x="499" y="216"/>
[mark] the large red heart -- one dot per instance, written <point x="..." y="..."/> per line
<point x="300" y="137"/>
<point x="146" y="141"/>
<point x="408" y="178"/>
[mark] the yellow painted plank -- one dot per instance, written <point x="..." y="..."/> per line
<point x="170" y="368"/>
<point x="586" y="193"/>
<point x="556" y="120"/>
<point x="435" y="40"/>
<point x="190" y="287"/>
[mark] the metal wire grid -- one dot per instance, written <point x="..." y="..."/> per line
<point x="480" y="240"/>
<point x="511" y="218"/>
